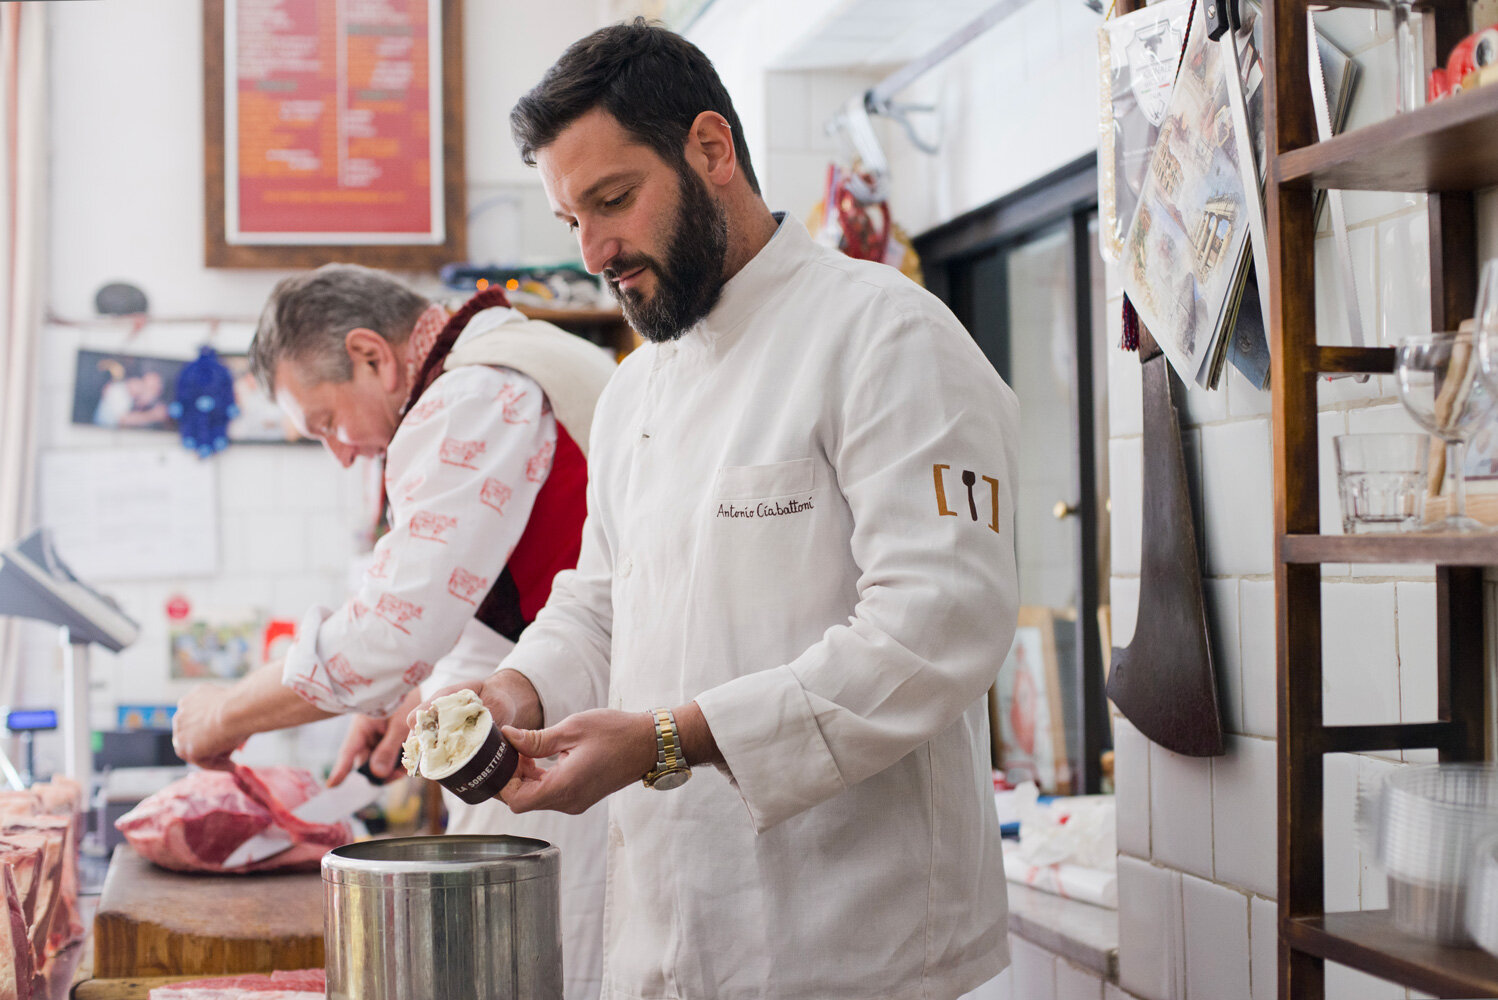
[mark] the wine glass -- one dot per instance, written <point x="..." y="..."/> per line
<point x="1485" y="323"/>
<point x="1440" y="385"/>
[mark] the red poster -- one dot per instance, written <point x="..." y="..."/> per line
<point x="333" y="131"/>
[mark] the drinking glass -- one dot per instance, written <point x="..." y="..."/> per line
<point x="1409" y="52"/>
<point x="1441" y="387"/>
<point x="1485" y="323"/>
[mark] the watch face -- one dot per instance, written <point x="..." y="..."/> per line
<point x="671" y="779"/>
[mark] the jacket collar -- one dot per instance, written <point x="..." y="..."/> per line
<point x="759" y="281"/>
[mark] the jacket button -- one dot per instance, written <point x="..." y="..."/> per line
<point x="625" y="565"/>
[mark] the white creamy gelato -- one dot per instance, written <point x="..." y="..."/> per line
<point x="446" y="734"/>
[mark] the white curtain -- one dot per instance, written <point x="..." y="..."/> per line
<point x="23" y="203"/>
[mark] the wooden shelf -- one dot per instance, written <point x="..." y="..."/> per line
<point x="1369" y="941"/>
<point x="578" y="317"/>
<point x="1416" y="549"/>
<point x="1355" y="360"/>
<point x="1445" y="146"/>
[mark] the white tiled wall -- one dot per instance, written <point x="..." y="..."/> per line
<point x="1217" y="953"/>
<point x="1197" y="868"/>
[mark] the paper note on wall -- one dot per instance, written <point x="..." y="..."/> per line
<point x="131" y="514"/>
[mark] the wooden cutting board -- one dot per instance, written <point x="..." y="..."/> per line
<point x="153" y="922"/>
<point x="124" y="989"/>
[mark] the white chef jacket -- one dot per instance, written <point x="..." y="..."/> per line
<point x="461" y="474"/>
<point x="801" y="516"/>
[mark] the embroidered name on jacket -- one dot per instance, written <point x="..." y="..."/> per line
<point x="765" y="508"/>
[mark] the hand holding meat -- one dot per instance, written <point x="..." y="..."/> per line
<point x="198" y="733"/>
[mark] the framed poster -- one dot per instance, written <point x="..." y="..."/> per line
<point x="333" y="131"/>
<point x="1026" y="705"/>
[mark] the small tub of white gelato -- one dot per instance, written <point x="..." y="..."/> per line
<point x="455" y="743"/>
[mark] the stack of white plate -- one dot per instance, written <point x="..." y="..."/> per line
<point x="1427" y="826"/>
<point x="1482" y="895"/>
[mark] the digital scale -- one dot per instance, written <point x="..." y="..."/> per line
<point x="27" y="722"/>
<point x="35" y="583"/>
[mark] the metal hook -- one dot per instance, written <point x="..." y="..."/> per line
<point x="901" y="113"/>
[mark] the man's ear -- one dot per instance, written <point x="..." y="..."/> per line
<point x="366" y="348"/>
<point x="710" y="148"/>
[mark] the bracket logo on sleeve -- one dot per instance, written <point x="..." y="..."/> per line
<point x="969" y="481"/>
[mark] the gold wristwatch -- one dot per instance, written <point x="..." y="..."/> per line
<point x="671" y="770"/>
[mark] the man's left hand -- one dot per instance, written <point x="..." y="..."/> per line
<point x="198" y="733"/>
<point x="599" y="752"/>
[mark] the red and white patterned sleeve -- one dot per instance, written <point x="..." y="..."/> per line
<point x="462" y="474"/>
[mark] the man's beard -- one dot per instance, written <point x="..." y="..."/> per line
<point x="689" y="281"/>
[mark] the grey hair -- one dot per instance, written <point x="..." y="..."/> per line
<point x="308" y="316"/>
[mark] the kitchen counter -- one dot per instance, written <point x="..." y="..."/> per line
<point x="1084" y="934"/>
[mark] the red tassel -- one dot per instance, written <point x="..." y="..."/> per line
<point x="1130" y="341"/>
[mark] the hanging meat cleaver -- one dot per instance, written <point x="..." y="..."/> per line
<point x="1164" y="682"/>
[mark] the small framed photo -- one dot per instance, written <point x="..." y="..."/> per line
<point x="260" y="420"/>
<point x="124" y="391"/>
<point x="1025" y="707"/>
<point x="216" y="647"/>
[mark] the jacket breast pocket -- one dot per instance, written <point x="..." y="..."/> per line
<point x="758" y="482"/>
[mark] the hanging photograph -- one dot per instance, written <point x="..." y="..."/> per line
<point x="1138" y="53"/>
<point x="1184" y="260"/>
<point x="334" y="131"/>
<point x="124" y="391"/>
<point x="221" y="647"/>
<point x="260" y="420"/>
<point x="1026" y="705"/>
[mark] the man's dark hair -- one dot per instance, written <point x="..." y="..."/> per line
<point x="651" y="80"/>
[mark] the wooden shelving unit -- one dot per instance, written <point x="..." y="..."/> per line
<point x="1449" y="150"/>
<point x="604" y="327"/>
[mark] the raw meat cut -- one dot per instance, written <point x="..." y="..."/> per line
<point x="195" y="823"/>
<point x="304" y="984"/>
<point x="39" y="830"/>
<point x="25" y="862"/>
<point x="17" y="963"/>
<point x="178" y="993"/>
<point x="57" y="924"/>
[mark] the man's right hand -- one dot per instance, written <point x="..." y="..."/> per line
<point x="507" y="694"/>
<point x="375" y="740"/>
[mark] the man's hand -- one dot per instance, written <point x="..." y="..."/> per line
<point x="599" y="752"/>
<point x="198" y="732"/>
<point x="507" y="695"/>
<point x="375" y="740"/>
<point x="214" y="720"/>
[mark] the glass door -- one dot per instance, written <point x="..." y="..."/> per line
<point x="1032" y="296"/>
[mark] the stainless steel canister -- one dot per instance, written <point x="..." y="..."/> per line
<point x="432" y="918"/>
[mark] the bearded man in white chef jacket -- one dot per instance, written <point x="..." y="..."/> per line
<point x="482" y="420"/>
<point x="797" y="578"/>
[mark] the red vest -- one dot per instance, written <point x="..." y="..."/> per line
<point x="553" y="535"/>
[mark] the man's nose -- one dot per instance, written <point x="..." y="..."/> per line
<point x="598" y="246"/>
<point x="345" y="453"/>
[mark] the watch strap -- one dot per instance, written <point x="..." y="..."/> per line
<point x="669" y="758"/>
